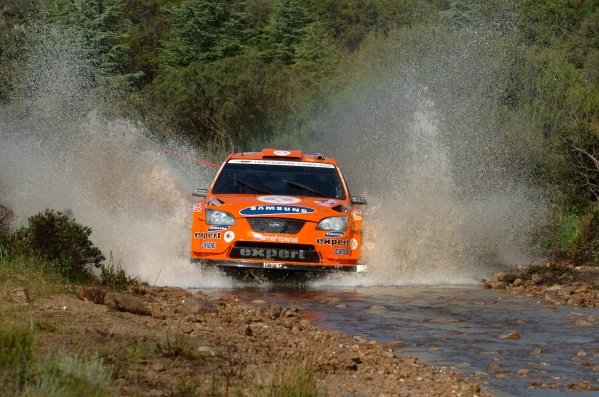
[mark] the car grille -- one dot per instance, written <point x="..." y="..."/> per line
<point x="276" y="225"/>
<point x="274" y="252"/>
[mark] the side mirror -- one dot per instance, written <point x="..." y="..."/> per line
<point x="358" y="200"/>
<point x="200" y="193"/>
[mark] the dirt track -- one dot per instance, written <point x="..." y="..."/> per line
<point x="223" y="347"/>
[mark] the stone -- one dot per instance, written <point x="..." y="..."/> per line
<point x="158" y="367"/>
<point x="497" y="280"/>
<point x="198" y="306"/>
<point x="582" y="323"/>
<point x="537" y="351"/>
<point x="92" y="294"/>
<point x="517" y="282"/>
<point x="511" y="336"/>
<point x="246" y="331"/>
<point x="443" y="320"/>
<point x="272" y="311"/>
<point x="522" y="372"/>
<point x="19" y="295"/>
<point x="126" y="303"/>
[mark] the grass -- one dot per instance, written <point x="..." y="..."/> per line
<point x="63" y="374"/>
<point x="41" y="278"/>
<point x="297" y="381"/>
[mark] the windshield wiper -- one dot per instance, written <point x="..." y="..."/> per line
<point x="307" y="188"/>
<point x="257" y="189"/>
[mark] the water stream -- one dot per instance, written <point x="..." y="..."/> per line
<point x="459" y="327"/>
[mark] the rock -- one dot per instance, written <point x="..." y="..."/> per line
<point x="198" y="306"/>
<point x="510" y="336"/>
<point x="272" y="311"/>
<point x="19" y="295"/>
<point x="377" y="308"/>
<point x="536" y="279"/>
<point x="582" y="323"/>
<point x="522" y="372"/>
<point x="331" y="299"/>
<point x="258" y="302"/>
<point x="517" y="282"/>
<point x="187" y="328"/>
<point x="92" y="294"/>
<point x="537" y="351"/>
<point x="246" y="331"/>
<point x="304" y="324"/>
<point x="158" y="367"/>
<point x="126" y="303"/>
<point x="497" y="280"/>
<point x="396" y="344"/>
<point x="443" y="320"/>
<point x="554" y="299"/>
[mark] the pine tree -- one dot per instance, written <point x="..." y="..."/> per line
<point x="99" y="26"/>
<point x="205" y="30"/>
<point x="284" y="31"/>
<point x="315" y="55"/>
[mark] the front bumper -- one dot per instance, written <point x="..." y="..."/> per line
<point x="281" y="266"/>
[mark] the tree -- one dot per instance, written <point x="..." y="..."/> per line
<point x="205" y="30"/>
<point x="284" y="31"/>
<point x="315" y="55"/>
<point x="99" y="26"/>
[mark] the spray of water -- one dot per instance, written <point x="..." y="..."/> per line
<point x="427" y="140"/>
<point x="59" y="152"/>
<point x="424" y="138"/>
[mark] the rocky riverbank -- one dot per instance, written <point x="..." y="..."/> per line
<point x="168" y="341"/>
<point x="557" y="283"/>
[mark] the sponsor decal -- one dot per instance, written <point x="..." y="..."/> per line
<point x="354" y="244"/>
<point x="275" y="238"/>
<point x="276" y="210"/>
<point x="339" y="251"/>
<point x="208" y="245"/>
<point x="286" y="163"/>
<point x="208" y="236"/>
<point x="198" y="207"/>
<point x="282" y="152"/>
<point x="334" y="234"/>
<point x="279" y="199"/>
<point x="217" y="228"/>
<point x="272" y="253"/>
<point x="276" y="224"/>
<point x="229" y="236"/>
<point x="333" y="242"/>
<point x="326" y="203"/>
<point x="273" y="265"/>
<point x="356" y="215"/>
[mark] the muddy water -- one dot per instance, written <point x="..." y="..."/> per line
<point x="459" y="327"/>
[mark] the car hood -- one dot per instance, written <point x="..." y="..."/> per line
<point x="279" y="206"/>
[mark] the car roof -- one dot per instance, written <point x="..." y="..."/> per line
<point x="283" y="155"/>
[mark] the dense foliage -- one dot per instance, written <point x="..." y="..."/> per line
<point x="56" y="237"/>
<point x="231" y="73"/>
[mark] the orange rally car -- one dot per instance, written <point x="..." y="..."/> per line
<point x="278" y="209"/>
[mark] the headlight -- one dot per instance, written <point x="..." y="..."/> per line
<point x="335" y="223"/>
<point x="214" y="217"/>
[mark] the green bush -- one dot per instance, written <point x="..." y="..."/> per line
<point x="56" y="237"/>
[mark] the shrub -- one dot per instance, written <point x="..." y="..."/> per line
<point x="55" y="237"/>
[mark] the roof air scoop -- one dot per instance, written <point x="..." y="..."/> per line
<point x="270" y="153"/>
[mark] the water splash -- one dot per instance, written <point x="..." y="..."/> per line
<point x="451" y="187"/>
<point x="58" y="151"/>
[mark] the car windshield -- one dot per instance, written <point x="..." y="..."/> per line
<point x="280" y="178"/>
